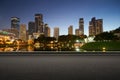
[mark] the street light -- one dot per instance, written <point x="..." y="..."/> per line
<point x="77" y="49"/>
<point x="104" y="49"/>
<point x="77" y="40"/>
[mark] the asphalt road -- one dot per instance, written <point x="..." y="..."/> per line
<point x="60" y="67"/>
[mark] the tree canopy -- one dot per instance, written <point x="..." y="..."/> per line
<point x="105" y="36"/>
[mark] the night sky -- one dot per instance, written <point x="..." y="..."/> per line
<point x="61" y="13"/>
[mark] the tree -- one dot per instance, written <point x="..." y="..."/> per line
<point x="105" y="36"/>
<point x="117" y="30"/>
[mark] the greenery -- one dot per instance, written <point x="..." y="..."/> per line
<point x="98" y="46"/>
<point x="116" y="30"/>
<point x="106" y="36"/>
<point x="43" y="39"/>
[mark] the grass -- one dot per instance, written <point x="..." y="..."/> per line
<point x="98" y="46"/>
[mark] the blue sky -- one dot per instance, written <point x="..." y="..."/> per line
<point x="61" y="13"/>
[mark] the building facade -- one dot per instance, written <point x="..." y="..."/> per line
<point x="70" y="30"/>
<point x="14" y="31"/>
<point x="77" y="32"/>
<point x="81" y="26"/>
<point x="39" y="23"/>
<point x="46" y="30"/>
<point x="15" y="23"/>
<point x="31" y="28"/>
<point x="23" y="33"/>
<point x="56" y="32"/>
<point x="95" y="26"/>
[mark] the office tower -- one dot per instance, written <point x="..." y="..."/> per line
<point x="15" y="23"/>
<point x="23" y="33"/>
<point x="95" y="26"/>
<point x="46" y="30"/>
<point x="39" y="23"/>
<point x="70" y="30"/>
<point x="31" y="28"/>
<point x="81" y="26"/>
<point x="77" y="32"/>
<point x="99" y="28"/>
<point x="56" y="32"/>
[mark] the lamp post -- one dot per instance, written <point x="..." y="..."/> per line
<point x="104" y="49"/>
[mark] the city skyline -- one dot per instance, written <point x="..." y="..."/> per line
<point x="62" y="13"/>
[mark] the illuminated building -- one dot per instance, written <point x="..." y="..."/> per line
<point x="30" y="40"/>
<point x="23" y="33"/>
<point x="81" y="26"/>
<point x="39" y="23"/>
<point x="56" y="32"/>
<point x="6" y="37"/>
<point x="95" y="26"/>
<point x="15" y="23"/>
<point x="70" y="30"/>
<point x="36" y="35"/>
<point x="77" y="32"/>
<point x="31" y="28"/>
<point x="46" y="30"/>
<point x="14" y="31"/>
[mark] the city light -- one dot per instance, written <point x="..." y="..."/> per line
<point x="104" y="49"/>
<point x="77" y="49"/>
<point x="77" y="41"/>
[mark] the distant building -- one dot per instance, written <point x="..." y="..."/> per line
<point x="46" y="30"/>
<point x="39" y="23"/>
<point x="36" y="35"/>
<point x="81" y="26"/>
<point x="70" y="30"/>
<point x="77" y="32"/>
<point x="23" y="33"/>
<point x="56" y="32"/>
<point x="31" y="28"/>
<point x="6" y="35"/>
<point x="89" y="39"/>
<point x="95" y="26"/>
<point x="117" y="34"/>
<point x="15" y="23"/>
<point x="14" y="31"/>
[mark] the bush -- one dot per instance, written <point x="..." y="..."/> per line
<point x="98" y="46"/>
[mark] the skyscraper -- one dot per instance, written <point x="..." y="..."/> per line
<point x="22" y="34"/>
<point x="31" y="27"/>
<point x="39" y="23"/>
<point x="81" y="26"/>
<point x="70" y="30"/>
<point x="15" y="26"/>
<point x="46" y="30"/>
<point x="77" y="32"/>
<point x="56" y="32"/>
<point x="95" y="26"/>
<point x="15" y="23"/>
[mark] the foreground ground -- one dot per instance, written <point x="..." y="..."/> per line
<point x="60" y="67"/>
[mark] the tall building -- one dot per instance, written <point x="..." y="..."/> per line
<point x="31" y="28"/>
<point x="95" y="26"/>
<point x="39" y="23"/>
<point x="56" y="32"/>
<point x="46" y="30"/>
<point x="81" y="26"/>
<point x="77" y="32"/>
<point x="70" y="30"/>
<point x="23" y="33"/>
<point x="15" y="23"/>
